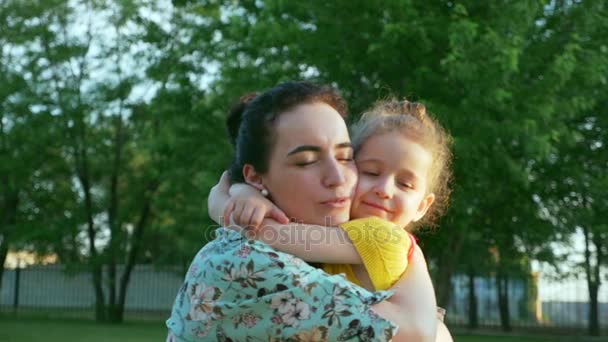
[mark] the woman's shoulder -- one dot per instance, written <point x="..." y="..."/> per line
<point x="238" y="247"/>
<point x="234" y="280"/>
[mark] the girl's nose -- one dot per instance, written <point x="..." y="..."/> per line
<point x="384" y="188"/>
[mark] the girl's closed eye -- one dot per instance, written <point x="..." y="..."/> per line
<point x="405" y="184"/>
<point x="371" y="173"/>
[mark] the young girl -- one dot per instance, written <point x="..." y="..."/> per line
<point x="403" y="159"/>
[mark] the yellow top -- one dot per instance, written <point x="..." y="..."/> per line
<point x="383" y="247"/>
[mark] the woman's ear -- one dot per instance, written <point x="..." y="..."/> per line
<point x="252" y="177"/>
<point x="424" y="206"/>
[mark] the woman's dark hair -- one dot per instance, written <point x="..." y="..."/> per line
<point x="251" y="121"/>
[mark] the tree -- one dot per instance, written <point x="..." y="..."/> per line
<point x="124" y="157"/>
<point x="573" y="172"/>
<point x="32" y="174"/>
<point x="575" y="198"/>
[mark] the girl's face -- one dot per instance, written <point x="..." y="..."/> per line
<point x="311" y="174"/>
<point x="392" y="179"/>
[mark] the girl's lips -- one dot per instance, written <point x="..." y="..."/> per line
<point x="376" y="206"/>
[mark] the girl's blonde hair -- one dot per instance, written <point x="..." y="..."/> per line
<point x="413" y="121"/>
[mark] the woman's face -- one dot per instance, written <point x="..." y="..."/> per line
<point x="311" y="174"/>
<point x="392" y="179"/>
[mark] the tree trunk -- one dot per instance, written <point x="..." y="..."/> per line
<point x="114" y="310"/>
<point x="8" y="220"/>
<point x="3" y="253"/>
<point x="502" y="282"/>
<point x="100" y="305"/>
<point x="445" y="269"/>
<point x="593" y="280"/>
<point x="95" y="261"/>
<point x="135" y="245"/>
<point x="3" y="202"/>
<point x="111" y="282"/>
<point x="594" y="323"/>
<point x="473" y="315"/>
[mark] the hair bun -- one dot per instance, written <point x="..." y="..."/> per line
<point x="415" y="108"/>
<point x="235" y="116"/>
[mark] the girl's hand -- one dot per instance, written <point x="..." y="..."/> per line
<point x="248" y="208"/>
<point x="223" y="185"/>
<point x="218" y="197"/>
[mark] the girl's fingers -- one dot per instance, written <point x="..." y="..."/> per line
<point x="228" y="209"/>
<point x="278" y="215"/>
<point x="224" y="182"/>
<point x="245" y="216"/>
<point x="238" y="211"/>
<point x="256" y="218"/>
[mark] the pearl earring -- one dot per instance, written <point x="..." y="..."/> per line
<point x="264" y="192"/>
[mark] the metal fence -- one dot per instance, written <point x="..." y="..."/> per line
<point x="533" y="303"/>
<point x="53" y="288"/>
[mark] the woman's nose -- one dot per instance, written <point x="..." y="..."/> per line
<point x="334" y="174"/>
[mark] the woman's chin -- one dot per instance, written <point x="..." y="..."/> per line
<point x="335" y="219"/>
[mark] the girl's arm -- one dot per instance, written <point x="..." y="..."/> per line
<point x="311" y="243"/>
<point x="249" y="209"/>
<point x="443" y="334"/>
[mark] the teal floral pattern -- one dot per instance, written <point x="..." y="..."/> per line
<point x="243" y="290"/>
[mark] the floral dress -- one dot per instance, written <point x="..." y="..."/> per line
<point x="243" y="290"/>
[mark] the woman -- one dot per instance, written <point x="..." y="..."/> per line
<point x="235" y="283"/>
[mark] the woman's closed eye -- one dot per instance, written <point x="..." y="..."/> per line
<point x="305" y="162"/>
<point x="305" y="158"/>
<point x="345" y="157"/>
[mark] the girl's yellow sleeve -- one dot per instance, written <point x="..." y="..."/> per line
<point x="383" y="247"/>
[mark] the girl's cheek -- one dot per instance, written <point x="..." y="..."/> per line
<point x="362" y="187"/>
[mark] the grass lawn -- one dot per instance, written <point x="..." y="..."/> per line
<point x="49" y="330"/>
<point x="502" y="339"/>
<point x="39" y="330"/>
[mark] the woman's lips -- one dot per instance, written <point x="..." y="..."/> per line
<point x="338" y="202"/>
